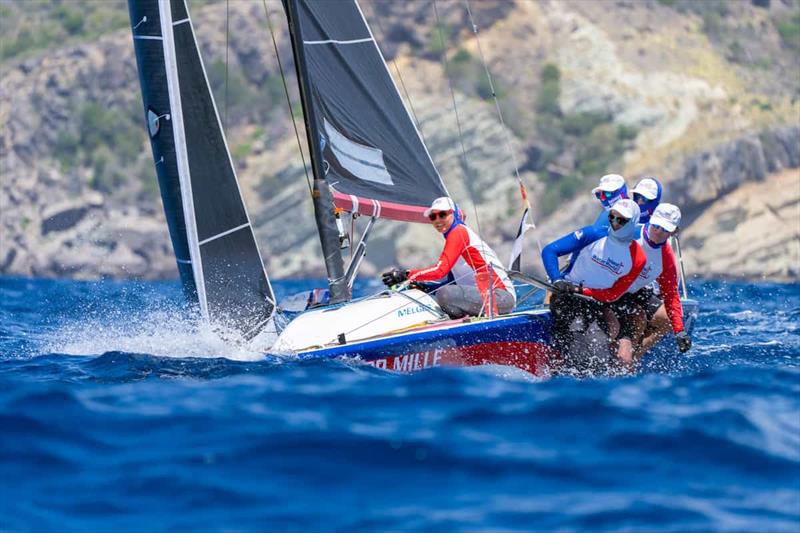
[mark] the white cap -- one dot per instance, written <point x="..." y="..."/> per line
<point x="443" y="203"/>
<point x="610" y="183"/>
<point x="626" y="208"/>
<point x="667" y="216"/>
<point x="647" y="188"/>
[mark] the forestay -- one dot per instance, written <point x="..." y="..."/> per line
<point x="218" y="258"/>
<point x="373" y="156"/>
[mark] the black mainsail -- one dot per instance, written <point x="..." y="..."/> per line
<point x="369" y="150"/>
<point x="217" y="254"/>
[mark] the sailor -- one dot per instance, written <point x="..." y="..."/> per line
<point x="640" y="311"/>
<point x="611" y="188"/>
<point x="604" y="264"/>
<point x="647" y="193"/>
<point x="470" y="265"/>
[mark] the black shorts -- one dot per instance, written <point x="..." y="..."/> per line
<point x="631" y="304"/>
<point x="644" y="299"/>
<point x="565" y="308"/>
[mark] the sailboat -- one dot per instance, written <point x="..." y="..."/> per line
<point x="367" y="158"/>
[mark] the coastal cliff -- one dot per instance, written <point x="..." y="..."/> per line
<point x="703" y="97"/>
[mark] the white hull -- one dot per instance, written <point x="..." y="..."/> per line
<point x="355" y="321"/>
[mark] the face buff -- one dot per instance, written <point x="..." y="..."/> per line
<point x="629" y="209"/>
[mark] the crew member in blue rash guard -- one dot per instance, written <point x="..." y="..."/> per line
<point x="647" y="194"/>
<point x="605" y="262"/>
<point x="611" y="188"/>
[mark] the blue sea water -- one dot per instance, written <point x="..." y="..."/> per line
<point x="118" y="413"/>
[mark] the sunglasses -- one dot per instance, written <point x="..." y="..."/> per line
<point x="440" y="214"/>
<point x="619" y="220"/>
<point x="603" y="195"/>
<point x="660" y="228"/>
<point x="640" y="198"/>
<point x="606" y="195"/>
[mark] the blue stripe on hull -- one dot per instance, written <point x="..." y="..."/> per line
<point x="526" y="327"/>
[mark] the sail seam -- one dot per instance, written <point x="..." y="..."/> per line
<point x="335" y="41"/>
<point x="148" y="37"/>
<point x="228" y="232"/>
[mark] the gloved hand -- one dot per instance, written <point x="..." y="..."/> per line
<point x="684" y="341"/>
<point x="394" y="276"/>
<point x="417" y="285"/>
<point x="563" y="286"/>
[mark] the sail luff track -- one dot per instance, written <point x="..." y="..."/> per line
<point x="173" y="85"/>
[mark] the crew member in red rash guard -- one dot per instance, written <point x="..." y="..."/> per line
<point x="468" y="265"/>
<point x="651" y="307"/>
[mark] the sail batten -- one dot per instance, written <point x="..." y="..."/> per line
<point x="335" y="41"/>
<point x="228" y="232"/>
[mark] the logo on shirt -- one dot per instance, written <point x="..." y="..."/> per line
<point x="609" y="264"/>
<point x="578" y="234"/>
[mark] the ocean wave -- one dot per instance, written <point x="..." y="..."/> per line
<point x="118" y="411"/>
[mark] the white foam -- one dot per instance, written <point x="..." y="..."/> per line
<point x="157" y="333"/>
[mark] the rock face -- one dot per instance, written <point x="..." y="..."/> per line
<point x="714" y="173"/>
<point x="52" y="222"/>
<point x="78" y="198"/>
<point x="753" y="232"/>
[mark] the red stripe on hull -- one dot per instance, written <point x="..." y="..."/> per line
<point x="533" y="357"/>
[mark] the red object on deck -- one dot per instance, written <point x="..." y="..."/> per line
<point x="369" y="207"/>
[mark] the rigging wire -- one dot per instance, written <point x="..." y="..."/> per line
<point x="522" y="189"/>
<point x="227" y="34"/>
<point x="496" y="102"/>
<point x="402" y="84"/>
<point x="288" y="99"/>
<point x="458" y="119"/>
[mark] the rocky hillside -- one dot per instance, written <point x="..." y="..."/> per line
<point x="704" y="95"/>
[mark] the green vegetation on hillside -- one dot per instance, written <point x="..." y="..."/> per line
<point x="32" y="25"/>
<point x="469" y="76"/>
<point x="104" y="140"/>
<point x="591" y="142"/>
<point x="29" y="26"/>
<point x="723" y="27"/>
<point x="594" y="142"/>
<point x="789" y="31"/>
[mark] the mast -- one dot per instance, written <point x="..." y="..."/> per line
<point x="324" y="213"/>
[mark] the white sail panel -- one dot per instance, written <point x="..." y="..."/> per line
<point x="361" y="161"/>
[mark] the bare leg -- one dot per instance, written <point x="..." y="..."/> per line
<point x="626" y="346"/>
<point x="613" y="323"/>
<point x="656" y="329"/>
<point x="625" y="351"/>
